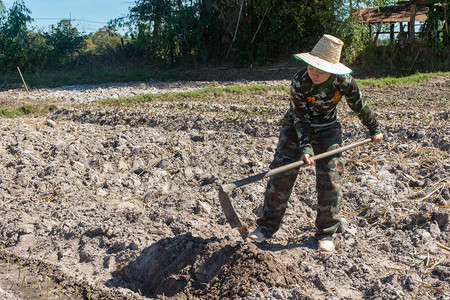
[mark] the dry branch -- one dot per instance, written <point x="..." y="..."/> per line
<point x="428" y="195"/>
<point x="326" y="292"/>
<point x="237" y="26"/>
<point x="442" y="246"/>
<point x="354" y="212"/>
<point x="393" y="268"/>
<point x="439" y="262"/>
<point x="429" y="286"/>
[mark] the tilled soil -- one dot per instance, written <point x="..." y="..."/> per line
<point x="121" y="201"/>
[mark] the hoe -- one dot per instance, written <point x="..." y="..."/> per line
<point x="225" y="189"/>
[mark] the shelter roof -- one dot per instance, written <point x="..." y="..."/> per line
<point x="391" y="14"/>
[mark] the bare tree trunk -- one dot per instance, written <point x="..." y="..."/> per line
<point x="237" y="26"/>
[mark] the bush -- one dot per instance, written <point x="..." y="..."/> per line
<point x="401" y="59"/>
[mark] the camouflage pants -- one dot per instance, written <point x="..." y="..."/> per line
<point x="328" y="179"/>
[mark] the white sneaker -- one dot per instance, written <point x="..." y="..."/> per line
<point x="326" y="245"/>
<point x="257" y="236"/>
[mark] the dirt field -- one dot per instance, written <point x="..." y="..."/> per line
<point x="121" y="202"/>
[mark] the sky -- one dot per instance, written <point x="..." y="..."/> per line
<point x="87" y="15"/>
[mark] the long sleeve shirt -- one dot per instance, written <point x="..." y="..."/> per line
<point x="315" y="105"/>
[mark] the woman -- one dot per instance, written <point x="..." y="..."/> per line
<point x="311" y="125"/>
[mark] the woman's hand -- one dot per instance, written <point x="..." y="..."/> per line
<point x="377" y="138"/>
<point x="307" y="159"/>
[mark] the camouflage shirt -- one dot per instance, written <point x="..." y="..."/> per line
<point x="315" y="105"/>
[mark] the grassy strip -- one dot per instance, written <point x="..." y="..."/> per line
<point x="24" y="110"/>
<point x="192" y="95"/>
<point x="412" y="79"/>
<point x="199" y="94"/>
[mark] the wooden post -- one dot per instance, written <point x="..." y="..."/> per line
<point x="377" y="34"/>
<point x="412" y="22"/>
<point x="23" y="80"/>
<point x="370" y="32"/>
<point x="391" y="33"/>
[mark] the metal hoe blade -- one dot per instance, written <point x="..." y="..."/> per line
<point x="231" y="214"/>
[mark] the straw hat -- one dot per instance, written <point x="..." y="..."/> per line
<point x="326" y="55"/>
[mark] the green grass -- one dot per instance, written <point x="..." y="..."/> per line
<point x="199" y="94"/>
<point x="411" y="79"/>
<point x="193" y="95"/>
<point x="25" y="110"/>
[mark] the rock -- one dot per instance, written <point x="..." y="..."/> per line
<point x="138" y="150"/>
<point x="163" y="164"/>
<point x="51" y="123"/>
<point x="422" y="238"/>
<point x="412" y="281"/>
<point x="203" y="207"/>
<point x="198" y="138"/>
<point x="7" y="296"/>
<point x="442" y="220"/>
<point x="27" y="242"/>
<point x="433" y="229"/>
<point x="128" y="206"/>
<point x="122" y="166"/>
<point x="94" y="162"/>
<point x="352" y="229"/>
<point x="189" y="173"/>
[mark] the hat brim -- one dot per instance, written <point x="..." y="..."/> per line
<point x="321" y="64"/>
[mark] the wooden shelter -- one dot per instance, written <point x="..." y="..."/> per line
<point x="403" y="12"/>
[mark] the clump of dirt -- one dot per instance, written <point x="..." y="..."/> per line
<point x="186" y="267"/>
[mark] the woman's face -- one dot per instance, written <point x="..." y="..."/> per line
<point x="317" y="76"/>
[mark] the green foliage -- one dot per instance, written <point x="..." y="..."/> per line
<point x="30" y="50"/>
<point x="435" y="29"/>
<point x="105" y="41"/>
<point x="401" y="59"/>
<point x="18" y="46"/>
<point x="64" y="42"/>
<point x="17" y="19"/>
<point x="208" y="32"/>
<point x="245" y="31"/>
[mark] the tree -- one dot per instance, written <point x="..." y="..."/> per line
<point x="18" y="45"/>
<point x="105" y="40"/>
<point x="243" y="31"/>
<point x="17" y="19"/>
<point x="65" y="41"/>
<point x="436" y="28"/>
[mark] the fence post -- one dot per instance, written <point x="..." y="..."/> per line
<point x="23" y="80"/>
